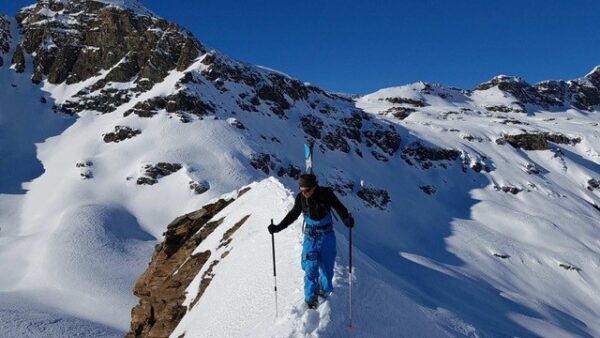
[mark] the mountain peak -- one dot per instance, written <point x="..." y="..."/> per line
<point x="594" y="73"/>
<point x="594" y="76"/>
<point x="503" y="81"/>
<point x="134" y="6"/>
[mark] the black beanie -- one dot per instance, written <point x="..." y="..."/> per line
<point x="307" y="180"/>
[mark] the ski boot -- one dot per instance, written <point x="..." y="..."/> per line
<point x="313" y="303"/>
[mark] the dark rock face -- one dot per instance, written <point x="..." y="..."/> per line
<point x="544" y="96"/>
<point x="177" y="103"/>
<point x="104" y="101"/>
<point x="428" y="189"/>
<point x="262" y="162"/>
<point x="219" y="68"/>
<point x="277" y="91"/>
<point x="404" y="100"/>
<point x="4" y="37"/>
<point x="147" y="108"/>
<point x="387" y="139"/>
<point x="561" y="139"/>
<point x="516" y="107"/>
<point x="291" y="170"/>
<point x="153" y="172"/>
<point x="528" y="141"/>
<point x="531" y="169"/>
<point x="275" y="97"/>
<point x="583" y="93"/>
<point x="269" y="162"/>
<point x="400" y="112"/>
<point x="569" y="267"/>
<point x="537" y="141"/>
<point x="161" y="288"/>
<point x="236" y="123"/>
<point x="425" y="156"/>
<point x="312" y="125"/>
<point x="374" y="198"/>
<point x="593" y="184"/>
<point x="513" y="121"/>
<point x="93" y="36"/>
<point x="183" y="101"/>
<point x="584" y="96"/>
<point x="354" y="124"/>
<point x="508" y="189"/>
<point x="336" y="141"/>
<point x="342" y="187"/>
<point x="121" y="133"/>
<point x="85" y="169"/>
<point x="18" y="59"/>
<point x="199" y="187"/>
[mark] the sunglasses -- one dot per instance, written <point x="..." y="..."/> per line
<point x="306" y="189"/>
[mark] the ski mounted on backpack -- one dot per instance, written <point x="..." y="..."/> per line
<point x="308" y="157"/>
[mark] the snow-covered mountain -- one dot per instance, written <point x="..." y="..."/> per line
<point x="477" y="210"/>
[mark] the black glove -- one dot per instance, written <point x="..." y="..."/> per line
<point x="349" y="221"/>
<point x="274" y="228"/>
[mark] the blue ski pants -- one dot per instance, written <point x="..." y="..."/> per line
<point x="318" y="258"/>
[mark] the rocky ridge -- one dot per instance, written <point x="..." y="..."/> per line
<point x="162" y="287"/>
<point x="77" y="40"/>
<point x="4" y="37"/>
<point x="582" y="93"/>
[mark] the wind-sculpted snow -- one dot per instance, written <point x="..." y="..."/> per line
<point x="525" y="232"/>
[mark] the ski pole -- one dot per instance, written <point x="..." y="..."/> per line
<point x="350" y="265"/>
<point x="274" y="272"/>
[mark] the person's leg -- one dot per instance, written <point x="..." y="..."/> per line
<point x="327" y="261"/>
<point x="310" y="265"/>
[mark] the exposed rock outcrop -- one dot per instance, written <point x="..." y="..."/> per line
<point x="593" y="184"/>
<point x="374" y="197"/>
<point x="582" y="93"/>
<point x="72" y="41"/>
<point x="407" y="101"/>
<point x="85" y="169"/>
<point x="400" y="112"/>
<point x="161" y="288"/>
<point x="121" y="133"/>
<point x="426" y="156"/>
<point x="262" y="162"/>
<point x="153" y="172"/>
<point x="4" y="37"/>
<point x="537" y="141"/>
<point x="18" y="59"/>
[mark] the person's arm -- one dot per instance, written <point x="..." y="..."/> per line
<point x="336" y="204"/>
<point x="340" y="209"/>
<point x="291" y="216"/>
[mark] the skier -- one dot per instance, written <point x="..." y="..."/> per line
<point x="318" y="249"/>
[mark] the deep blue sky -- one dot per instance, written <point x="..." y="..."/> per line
<point x="360" y="46"/>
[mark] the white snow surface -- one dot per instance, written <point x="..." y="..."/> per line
<point x="132" y="5"/>
<point x="246" y="276"/>
<point x="71" y="249"/>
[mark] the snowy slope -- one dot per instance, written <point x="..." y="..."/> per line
<point x="550" y="222"/>
<point x="249" y="307"/>
<point x="78" y="229"/>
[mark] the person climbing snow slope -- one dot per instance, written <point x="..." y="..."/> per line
<point x="319" y="247"/>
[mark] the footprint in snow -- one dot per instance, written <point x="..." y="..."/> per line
<point x="310" y="321"/>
